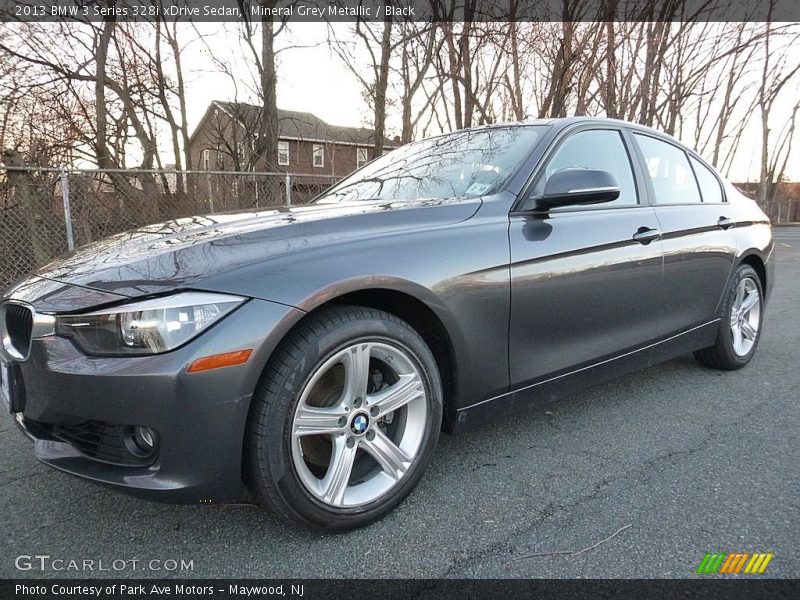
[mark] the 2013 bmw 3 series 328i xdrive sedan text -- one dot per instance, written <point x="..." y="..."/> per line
<point x="315" y="353"/>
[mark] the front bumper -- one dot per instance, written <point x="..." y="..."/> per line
<point x="200" y="417"/>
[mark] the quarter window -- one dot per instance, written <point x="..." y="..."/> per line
<point x="283" y="153"/>
<point x="600" y="149"/>
<point x="319" y="155"/>
<point x="708" y="182"/>
<point x="669" y="170"/>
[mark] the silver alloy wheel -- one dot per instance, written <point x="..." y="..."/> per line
<point x="745" y="316"/>
<point x="359" y="423"/>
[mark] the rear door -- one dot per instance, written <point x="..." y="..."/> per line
<point x="695" y="221"/>
<point x="585" y="281"/>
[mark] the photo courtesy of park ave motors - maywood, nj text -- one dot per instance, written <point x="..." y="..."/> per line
<point x="412" y="298"/>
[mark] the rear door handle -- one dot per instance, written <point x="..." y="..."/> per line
<point x="645" y="235"/>
<point x="724" y="223"/>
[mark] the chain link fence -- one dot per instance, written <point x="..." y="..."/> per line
<point x="783" y="210"/>
<point x="45" y="212"/>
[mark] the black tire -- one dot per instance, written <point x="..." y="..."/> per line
<point x="269" y="467"/>
<point x="722" y="354"/>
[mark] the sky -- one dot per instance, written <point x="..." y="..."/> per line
<point x="312" y="79"/>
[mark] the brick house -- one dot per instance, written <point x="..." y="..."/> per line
<point x="223" y="141"/>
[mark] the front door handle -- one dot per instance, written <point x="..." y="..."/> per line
<point x="724" y="223"/>
<point x="645" y="235"/>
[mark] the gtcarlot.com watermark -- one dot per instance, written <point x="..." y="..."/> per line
<point x="47" y="563"/>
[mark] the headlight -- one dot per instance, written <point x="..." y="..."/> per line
<point x="146" y="327"/>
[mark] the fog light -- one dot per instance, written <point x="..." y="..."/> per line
<point x="145" y="439"/>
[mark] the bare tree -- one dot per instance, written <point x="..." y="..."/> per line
<point x="418" y="44"/>
<point x="376" y="42"/>
<point x="776" y="73"/>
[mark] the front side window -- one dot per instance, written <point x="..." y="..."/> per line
<point x="362" y="157"/>
<point x="597" y="149"/>
<point x="283" y="153"/>
<point x="669" y="170"/>
<point x="319" y="155"/>
<point x="464" y="164"/>
<point x="708" y="182"/>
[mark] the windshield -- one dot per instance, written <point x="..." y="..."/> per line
<point x="461" y="164"/>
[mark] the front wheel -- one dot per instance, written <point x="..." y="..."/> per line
<point x="740" y="327"/>
<point x="345" y="420"/>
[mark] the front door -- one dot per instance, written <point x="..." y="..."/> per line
<point x="585" y="281"/>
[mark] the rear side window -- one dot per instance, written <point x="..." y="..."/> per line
<point x="600" y="149"/>
<point x="709" y="184"/>
<point x="670" y="172"/>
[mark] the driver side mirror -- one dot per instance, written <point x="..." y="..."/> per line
<point x="571" y="187"/>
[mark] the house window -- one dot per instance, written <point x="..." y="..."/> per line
<point x="283" y="153"/>
<point x="319" y="155"/>
<point x="206" y="159"/>
<point x="362" y="157"/>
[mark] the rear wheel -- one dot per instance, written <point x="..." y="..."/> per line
<point x="345" y="420"/>
<point x="740" y="327"/>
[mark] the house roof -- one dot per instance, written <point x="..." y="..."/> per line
<point x="294" y="124"/>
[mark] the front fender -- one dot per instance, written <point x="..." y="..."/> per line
<point x="464" y="283"/>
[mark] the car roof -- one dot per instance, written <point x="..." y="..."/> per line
<point x="561" y="123"/>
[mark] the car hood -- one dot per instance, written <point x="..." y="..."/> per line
<point x="185" y="252"/>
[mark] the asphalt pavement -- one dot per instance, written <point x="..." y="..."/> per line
<point x="676" y="461"/>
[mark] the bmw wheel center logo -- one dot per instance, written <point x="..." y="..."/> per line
<point x="360" y="423"/>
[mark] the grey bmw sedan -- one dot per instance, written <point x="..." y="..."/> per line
<point x="314" y="353"/>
